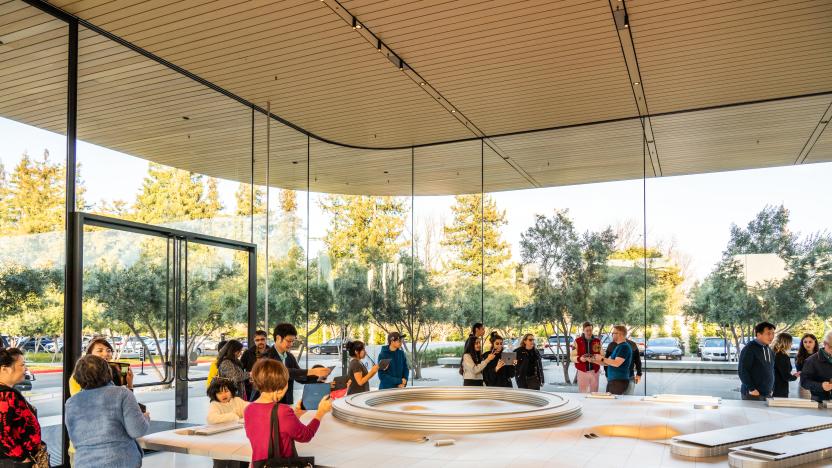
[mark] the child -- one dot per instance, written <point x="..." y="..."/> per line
<point x="225" y="407"/>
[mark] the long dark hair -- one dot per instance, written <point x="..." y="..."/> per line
<point x="469" y="349"/>
<point x="494" y="336"/>
<point x="803" y="353"/>
<point x="229" y="351"/>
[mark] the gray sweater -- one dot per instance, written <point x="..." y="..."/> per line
<point x="103" y="425"/>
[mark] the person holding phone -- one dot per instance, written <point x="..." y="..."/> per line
<point x="271" y="378"/>
<point x="586" y="346"/>
<point x="473" y="363"/>
<point x="359" y="375"/>
<point x="396" y="372"/>
<point x="103" y="349"/>
<point x="497" y="373"/>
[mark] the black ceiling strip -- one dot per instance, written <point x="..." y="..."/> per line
<point x="629" y="75"/>
<point x="812" y="140"/>
<point x="643" y="91"/>
<point x="50" y="9"/>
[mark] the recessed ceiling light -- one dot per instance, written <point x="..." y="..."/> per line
<point x="185" y="117"/>
<point x="423" y="83"/>
<point x="386" y="172"/>
<point x="453" y="111"/>
<point x="294" y="162"/>
<point x="636" y="83"/>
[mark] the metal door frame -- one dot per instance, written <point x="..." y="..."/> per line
<point x="75" y="286"/>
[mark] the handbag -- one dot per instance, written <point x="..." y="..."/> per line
<point x="275" y="460"/>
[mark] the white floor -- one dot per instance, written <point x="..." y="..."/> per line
<point x="631" y="433"/>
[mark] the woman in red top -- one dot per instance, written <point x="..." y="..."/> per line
<point x="20" y="432"/>
<point x="271" y="378"/>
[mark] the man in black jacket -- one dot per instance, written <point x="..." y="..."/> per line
<point x="816" y="375"/>
<point x="756" y="366"/>
<point x="250" y="356"/>
<point x="285" y="335"/>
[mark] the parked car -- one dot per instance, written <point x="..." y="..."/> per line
<point x="56" y="347"/>
<point x="717" y="349"/>
<point x="663" y="348"/>
<point x="795" y="347"/>
<point x="332" y="346"/>
<point x="26" y="385"/>
<point x="4" y="341"/>
<point x="557" y="348"/>
<point x="33" y="344"/>
<point x="640" y="343"/>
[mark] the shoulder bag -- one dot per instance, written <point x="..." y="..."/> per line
<point x="275" y="460"/>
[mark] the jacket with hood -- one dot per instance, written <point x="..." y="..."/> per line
<point x="398" y="369"/>
<point x="756" y="369"/>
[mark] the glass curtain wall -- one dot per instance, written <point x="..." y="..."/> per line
<point x="33" y="203"/>
<point x="360" y="253"/>
<point x="560" y="254"/>
<point x="145" y="136"/>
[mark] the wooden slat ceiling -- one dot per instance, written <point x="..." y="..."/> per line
<point x="756" y="135"/>
<point x="507" y="67"/>
<point x="715" y="52"/>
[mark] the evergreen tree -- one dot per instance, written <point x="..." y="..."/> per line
<point x="170" y="194"/>
<point x="34" y="197"/>
<point x="364" y="228"/>
<point x="474" y="236"/>
<point x="243" y="198"/>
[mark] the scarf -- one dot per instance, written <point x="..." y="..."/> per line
<point x="825" y="355"/>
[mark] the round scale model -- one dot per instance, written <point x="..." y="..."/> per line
<point x="456" y="409"/>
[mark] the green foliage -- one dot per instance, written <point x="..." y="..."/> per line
<point x="170" y="194"/>
<point x="473" y="237"/>
<point x="242" y="198"/>
<point x="32" y="198"/>
<point x="23" y="289"/>
<point x="363" y="228"/>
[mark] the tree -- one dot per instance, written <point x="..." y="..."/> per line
<point x="570" y="267"/>
<point x="768" y="232"/>
<point x="33" y="199"/>
<point x="402" y="298"/>
<point x="170" y="194"/>
<point x="23" y="288"/>
<point x="364" y="228"/>
<point x="243" y="198"/>
<point x="474" y="236"/>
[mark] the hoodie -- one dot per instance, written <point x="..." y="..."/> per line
<point x="756" y="369"/>
<point x="398" y="370"/>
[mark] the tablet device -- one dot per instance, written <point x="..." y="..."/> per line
<point x="508" y="358"/>
<point x="383" y="364"/>
<point x="313" y="393"/>
<point x="340" y="382"/>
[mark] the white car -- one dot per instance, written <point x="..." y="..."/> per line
<point x="714" y="349"/>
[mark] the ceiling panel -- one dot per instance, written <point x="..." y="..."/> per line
<point x="715" y="52"/>
<point x="511" y="66"/>
<point x="577" y="155"/>
<point x="751" y="136"/>
<point x="822" y="151"/>
<point x="317" y="72"/>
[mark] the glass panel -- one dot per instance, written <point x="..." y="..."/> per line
<point x="447" y="234"/>
<point x="747" y="246"/>
<point x="33" y="93"/>
<point x="127" y="301"/>
<point x="576" y="251"/>
<point x="360" y="254"/>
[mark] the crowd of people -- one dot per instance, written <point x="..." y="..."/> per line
<point x="765" y="368"/>
<point x="255" y="387"/>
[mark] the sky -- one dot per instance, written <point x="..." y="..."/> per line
<point x="694" y="212"/>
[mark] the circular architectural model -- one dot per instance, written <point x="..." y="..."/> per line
<point x="456" y="409"/>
